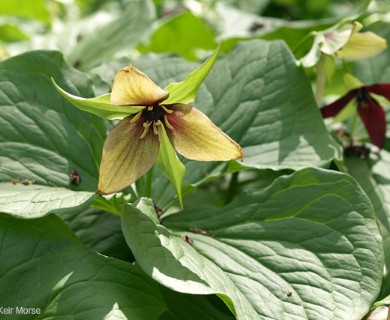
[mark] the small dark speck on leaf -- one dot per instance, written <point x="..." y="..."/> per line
<point x="157" y="209"/>
<point x="27" y="182"/>
<point x="289" y="294"/>
<point x="74" y="177"/>
<point x="188" y="240"/>
<point x="14" y="180"/>
<point x="256" y="26"/>
<point x="77" y="64"/>
<point x="200" y="231"/>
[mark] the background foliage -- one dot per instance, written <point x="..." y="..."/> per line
<point x="298" y="230"/>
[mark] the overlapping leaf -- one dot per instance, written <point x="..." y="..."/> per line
<point x="54" y="273"/>
<point x="102" y="36"/>
<point x="291" y="251"/>
<point x="42" y="136"/>
<point x="36" y="201"/>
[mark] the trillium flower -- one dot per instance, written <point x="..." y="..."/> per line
<point x="370" y="111"/>
<point x="153" y="123"/>
<point x="345" y="42"/>
<point x="132" y="146"/>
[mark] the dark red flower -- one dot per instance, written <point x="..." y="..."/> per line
<point x="370" y="111"/>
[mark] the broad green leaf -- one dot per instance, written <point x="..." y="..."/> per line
<point x="160" y="255"/>
<point x="306" y="247"/>
<point x="170" y="165"/>
<point x="31" y="9"/>
<point x="80" y="283"/>
<point x="185" y="91"/>
<point x="52" y="271"/>
<point x="100" y="106"/>
<point x="175" y="35"/>
<point x="372" y="175"/>
<point x="42" y="136"/>
<point x="32" y="201"/>
<point x="104" y="35"/>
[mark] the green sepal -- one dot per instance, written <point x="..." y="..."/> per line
<point x="185" y="91"/>
<point x="100" y="106"/>
<point x="170" y="165"/>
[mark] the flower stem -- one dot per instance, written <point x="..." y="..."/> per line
<point x="148" y="187"/>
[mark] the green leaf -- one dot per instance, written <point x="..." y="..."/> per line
<point x="174" y="34"/>
<point x="170" y="165"/>
<point x="185" y="91"/>
<point x="105" y="35"/>
<point x="62" y="278"/>
<point x="42" y="136"/>
<point x="145" y="238"/>
<point x="36" y="201"/>
<point x="100" y="106"/>
<point x="306" y="247"/>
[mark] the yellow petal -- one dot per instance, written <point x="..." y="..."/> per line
<point x="361" y="46"/>
<point x="134" y="88"/>
<point x="194" y="136"/>
<point x="126" y="157"/>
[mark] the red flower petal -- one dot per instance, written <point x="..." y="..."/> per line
<point x="382" y="89"/>
<point x="334" y="108"/>
<point x="374" y="119"/>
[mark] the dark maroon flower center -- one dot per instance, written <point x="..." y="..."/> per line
<point x="153" y="113"/>
<point x="363" y="97"/>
